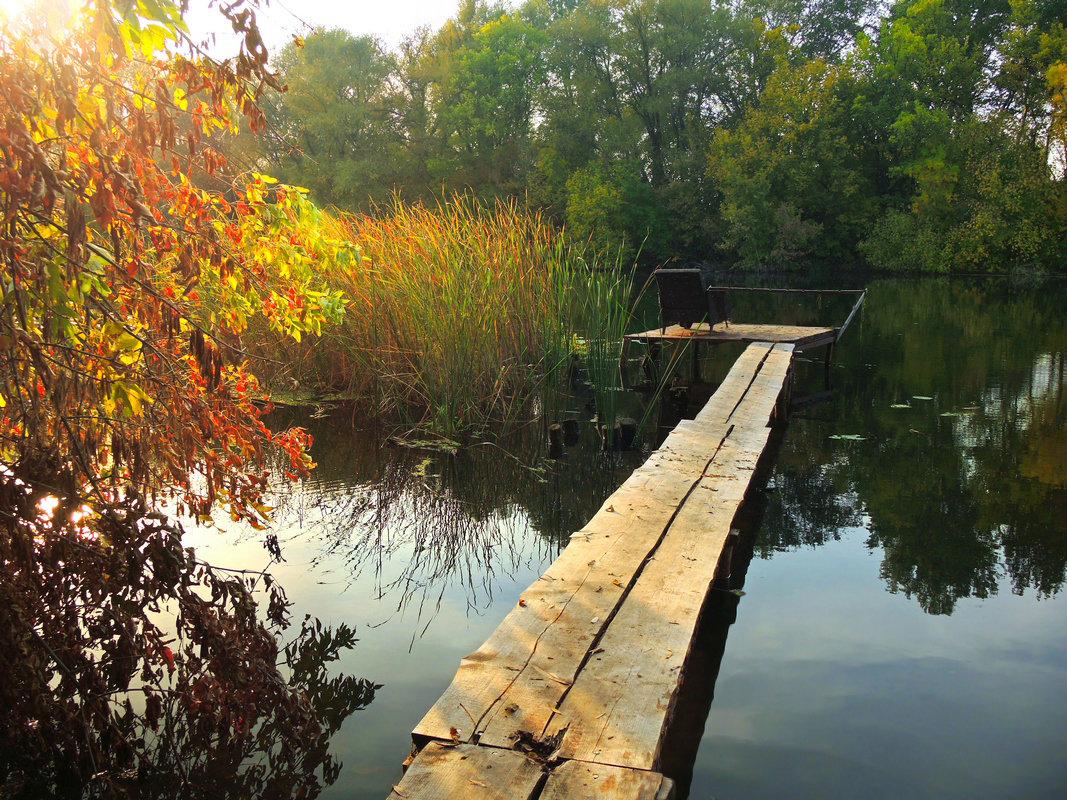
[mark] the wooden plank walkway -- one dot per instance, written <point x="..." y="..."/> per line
<point x="801" y="336"/>
<point x="584" y="671"/>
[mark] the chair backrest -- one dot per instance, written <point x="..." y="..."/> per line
<point x="682" y="300"/>
<point x="685" y="298"/>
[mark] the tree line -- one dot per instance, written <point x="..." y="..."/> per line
<point x="915" y="135"/>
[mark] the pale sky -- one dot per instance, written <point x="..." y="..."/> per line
<point x="279" y="20"/>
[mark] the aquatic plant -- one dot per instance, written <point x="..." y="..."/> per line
<point x="455" y="313"/>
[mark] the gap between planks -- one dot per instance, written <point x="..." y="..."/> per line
<point x="540" y="672"/>
<point x="445" y="772"/>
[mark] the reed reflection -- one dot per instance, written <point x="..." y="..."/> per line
<point x="420" y="522"/>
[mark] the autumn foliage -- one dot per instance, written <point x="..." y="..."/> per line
<point x="126" y="401"/>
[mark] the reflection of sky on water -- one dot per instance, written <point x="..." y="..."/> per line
<point x="906" y="637"/>
<point x="414" y="621"/>
<point x="901" y="634"/>
<point x="831" y="687"/>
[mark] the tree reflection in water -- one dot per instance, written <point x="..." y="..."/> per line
<point x="424" y="522"/>
<point x="130" y="668"/>
<point x="275" y="760"/>
<point x="961" y="478"/>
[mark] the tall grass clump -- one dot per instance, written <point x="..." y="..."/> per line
<point x="454" y="314"/>
<point x="592" y="312"/>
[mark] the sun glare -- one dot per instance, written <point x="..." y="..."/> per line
<point x="17" y="14"/>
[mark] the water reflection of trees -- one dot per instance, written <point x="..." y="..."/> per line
<point x="421" y="522"/>
<point x="805" y="507"/>
<point x="131" y="669"/>
<point x="275" y="758"/>
<point x="957" y="490"/>
<point x="954" y="503"/>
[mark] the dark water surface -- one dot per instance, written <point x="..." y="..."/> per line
<point x="901" y="631"/>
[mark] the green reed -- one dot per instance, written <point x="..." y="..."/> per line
<point x="455" y="315"/>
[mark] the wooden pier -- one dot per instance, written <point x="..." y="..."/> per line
<point x="571" y="696"/>
<point x="720" y="329"/>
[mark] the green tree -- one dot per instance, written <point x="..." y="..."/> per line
<point x="952" y="93"/>
<point x="336" y="126"/>
<point x="791" y="174"/>
<point x="484" y="107"/>
<point x="983" y="200"/>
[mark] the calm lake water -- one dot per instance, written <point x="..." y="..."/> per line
<point x="900" y="629"/>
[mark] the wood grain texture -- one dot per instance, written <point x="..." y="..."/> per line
<point x="512" y="682"/>
<point x="596" y="648"/>
<point x="577" y="593"/>
<point x="576" y="780"/>
<point x="446" y="772"/>
<point x="619" y="707"/>
<point x="803" y="335"/>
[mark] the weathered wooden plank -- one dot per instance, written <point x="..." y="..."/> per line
<point x="445" y="772"/>
<point x="502" y="688"/>
<point x="738" y="332"/>
<point x="577" y="780"/>
<point x="597" y="645"/>
<point x="528" y="701"/>
<point x="578" y="592"/>
<point x="618" y="707"/>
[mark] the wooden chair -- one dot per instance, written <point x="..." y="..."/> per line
<point x="685" y="300"/>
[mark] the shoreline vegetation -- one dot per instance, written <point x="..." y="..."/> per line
<point x="153" y="275"/>
<point x="455" y="316"/>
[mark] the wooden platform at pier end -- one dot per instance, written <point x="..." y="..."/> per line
<point x="586" y="668"/>
<point x="801" y="337"/>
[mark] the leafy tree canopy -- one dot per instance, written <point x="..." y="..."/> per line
<point x="126" y="401"/>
